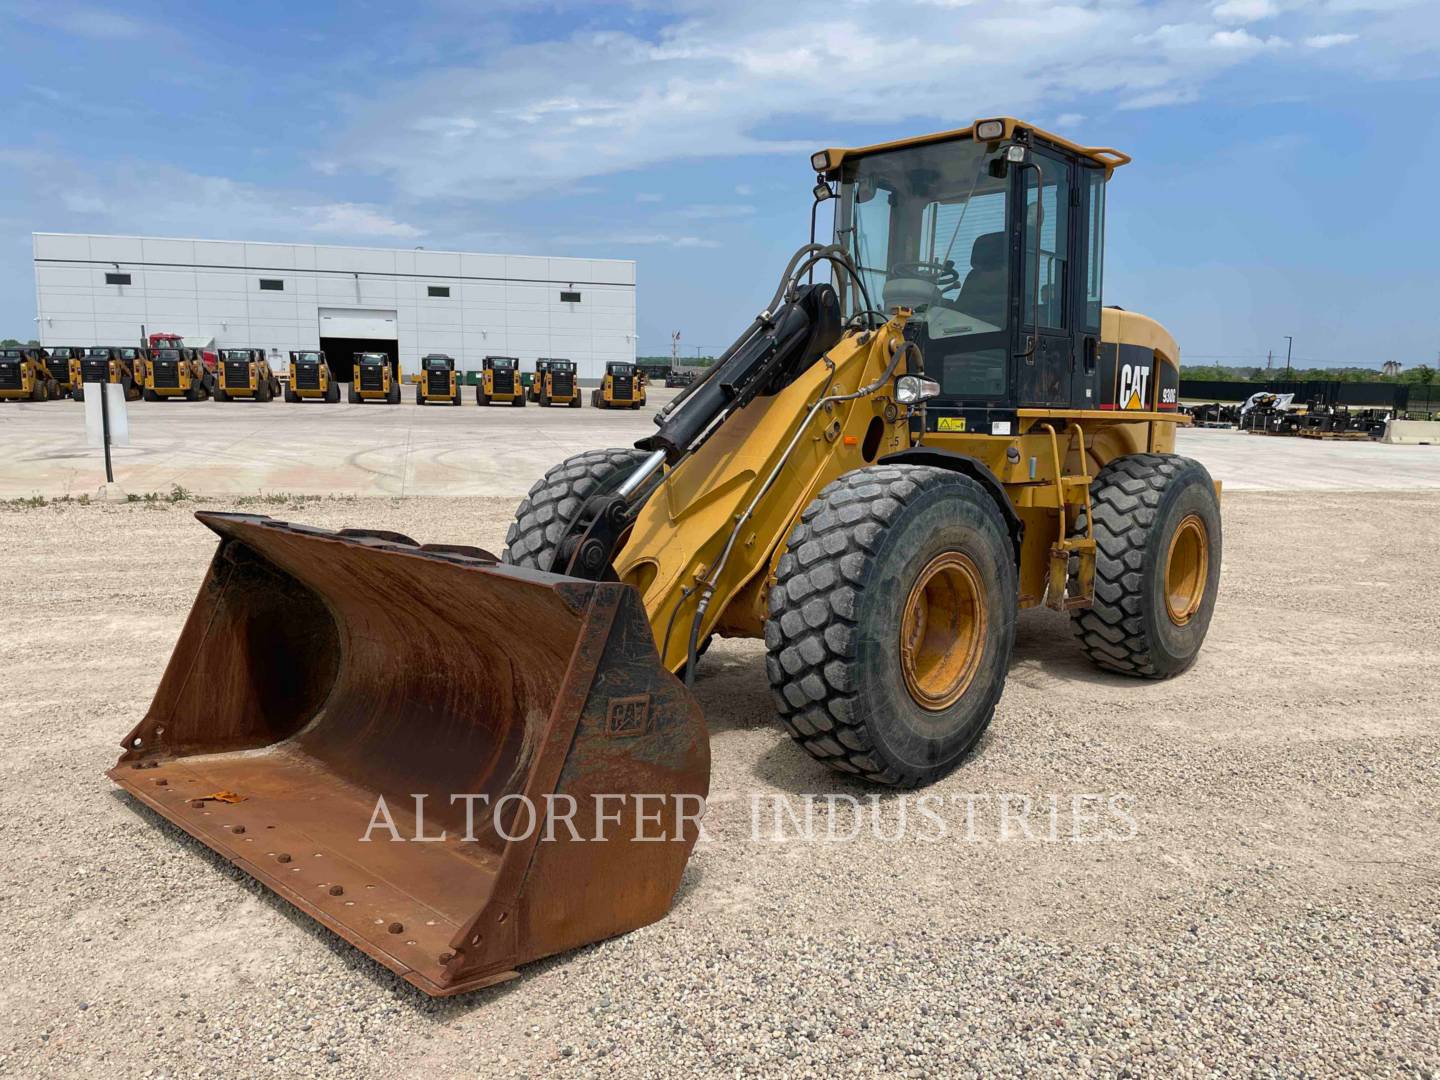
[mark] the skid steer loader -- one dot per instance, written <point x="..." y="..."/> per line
<point x="874" y="478"/>
<point x="374" y="380"/>
<point x="558" y="384"/>
<point x="177" y="372"/>
<point x="537" y="381"/>
<point x="25" y="376"/>
<point x="439" y="381"/>
<point x="500" y="382"/>
<point x="112" y="364"/>
<point x="64" y="365"/>
<point x="245" y="373"/>
<point x="310" y="378"/>
<point x="621" y="388"/>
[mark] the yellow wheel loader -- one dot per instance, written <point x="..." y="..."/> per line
<point x="25" y="375"/>
<point x="310" y="378"/>
<point x="374" y="380"/>
<point x="879" y="473"/>
<point x="439" y="381"/>
<point x="245" y="373"/>
<point x="112" y="364"/>
<point x="177" y="372"/>
<point x="558" y="384"/>
<point x="621" y="388"/>
<point x="500" y="382"/>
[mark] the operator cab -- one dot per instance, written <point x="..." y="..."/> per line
<point x="984" y="238"/>
<point x="437" y="362"/>
<point x="372" y="359"/>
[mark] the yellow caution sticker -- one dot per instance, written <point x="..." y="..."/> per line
<point x="950" y="423"/>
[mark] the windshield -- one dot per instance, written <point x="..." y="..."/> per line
<point x="928" y="228"/>
<point x="235" y="354"/>
<point x="307" y="357"/>
<point x="621" y="369"/>
<point x="436" y="363"/>
<point x="101" y="351"/>
<point x="373" y="359"/>
<point x="129" y="354"/>
<point x="502" y="363"/>
<point x="168" y="354"/>
<point x="11" y="354"/>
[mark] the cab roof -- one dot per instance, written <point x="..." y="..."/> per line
<point x="1107" y="157"/>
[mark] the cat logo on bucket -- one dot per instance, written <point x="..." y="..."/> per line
<point x="1134" y="386"/>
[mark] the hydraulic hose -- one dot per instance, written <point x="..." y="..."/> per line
<point x="712" y="579"/>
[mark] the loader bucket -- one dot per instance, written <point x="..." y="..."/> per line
<point x="390" y="736"/>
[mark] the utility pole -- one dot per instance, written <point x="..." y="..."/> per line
<point x="1269" y="360"/>
<point x="1289" y="343"/>
<point x="674" y="349"/>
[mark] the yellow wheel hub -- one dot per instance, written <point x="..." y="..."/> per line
<point x="942" y="632"/>
<point x="1187" y="567"/>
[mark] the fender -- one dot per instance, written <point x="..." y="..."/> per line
<point x="974" y="468"/>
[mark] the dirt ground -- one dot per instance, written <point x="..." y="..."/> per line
<point x="1276" y="910"/>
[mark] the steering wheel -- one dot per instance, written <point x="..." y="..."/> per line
<point x="943" y="275"/>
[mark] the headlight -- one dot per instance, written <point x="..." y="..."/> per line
<point x="913" y="389"/>
<point x="989" y="129"/>
<point x="820" y="162"/>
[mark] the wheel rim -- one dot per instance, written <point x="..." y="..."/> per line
<point x="1187" y="566"/>
<point x="942" y="631"/>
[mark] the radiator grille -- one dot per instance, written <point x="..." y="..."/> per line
<point x="95" y="369"/>
<point x="437" y="383"/>
<point x="623" y="387"/>
<point x="562" y="384"/>
<point x="237" y="374"/>
<point x="10" y="375"/>
<point x="307" y="376"/>
<point x="372" y="378"/>
<point x="167" y="374"/>
<point x="504" y="382"/>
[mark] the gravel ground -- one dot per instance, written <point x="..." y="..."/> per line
<point x="1276" y="911"/>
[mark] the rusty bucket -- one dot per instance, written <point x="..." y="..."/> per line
<point x="457" y="766"/>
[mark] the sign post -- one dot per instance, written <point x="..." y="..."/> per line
<point x="107" y="423"/>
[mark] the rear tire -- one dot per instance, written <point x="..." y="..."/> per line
<point x="1157" y="565"/>
<point x="543" y="518"/>
<point x="352" y="396"/>
<point x="78" y="394"/>
<point x="150" y="395"/>
<point x="887" y="555"/>
<point x="332" y="394"/>
<point x="290" y="396"/>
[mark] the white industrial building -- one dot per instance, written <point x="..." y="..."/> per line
<point x="102" y="290"/>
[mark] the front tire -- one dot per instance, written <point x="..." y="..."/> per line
<point x="892" y="622"/>
<point x="543" y="518"/>
<point x="1157" y="565"/>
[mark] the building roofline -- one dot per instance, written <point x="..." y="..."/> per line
<point x="306" y="244"/>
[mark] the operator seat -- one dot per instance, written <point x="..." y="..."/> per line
<point x="982" y="294"/>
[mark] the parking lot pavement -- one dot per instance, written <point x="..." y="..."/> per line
<point x="245" y="448"/>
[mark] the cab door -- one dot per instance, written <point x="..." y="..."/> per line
<point x="1046" y="356"/>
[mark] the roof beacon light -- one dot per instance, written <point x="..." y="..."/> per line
<point x="989" y="129"/>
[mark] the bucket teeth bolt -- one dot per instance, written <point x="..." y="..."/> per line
<point x="237" y="829"/>
<point x="396" y="928"/>
<point x="282" y="857"/>
<point x="337" y="890"/>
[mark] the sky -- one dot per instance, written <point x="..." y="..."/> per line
<point x="1286" y="174"/>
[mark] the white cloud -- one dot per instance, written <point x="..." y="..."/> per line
<point x="1244" y="11"/>
<point x="638" y="239"/>
<point x="133" y="198"/>
<point x="355" y="219"/>
<point x="1329" y="41"/>
<point x="747" y="77"/>
<point x="649" y="197"/>
<point x="1243" y="39"/>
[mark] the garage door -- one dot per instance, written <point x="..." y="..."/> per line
<point x="358" y="323"/>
